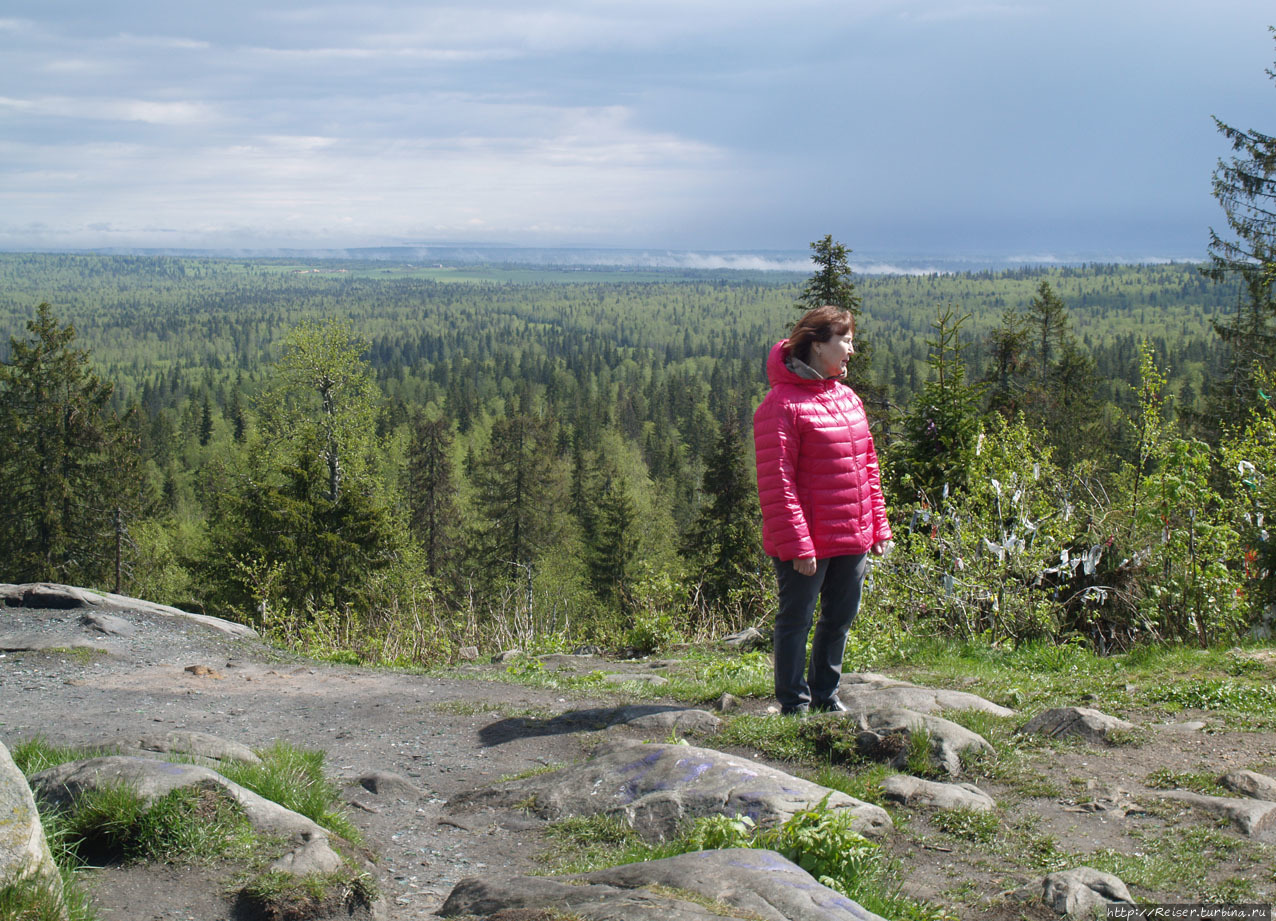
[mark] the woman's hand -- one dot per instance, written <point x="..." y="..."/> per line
<point x="805" y="566"/>
<point x="881" y="548"/>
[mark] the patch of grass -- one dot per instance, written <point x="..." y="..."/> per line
<point x="278" y="894"/>
<point x="1219" y="694"/>
<point x="37" y="754"/>
<point x="294" y="778"/>
<point x="117" y="825"/>
<point x="1166" y="779"/>
<point x="746" y="674"/>
<point x="81" y="654"/>
<point x="532" y="772"/>
<point x="968" y="824"/>
<point x="864" y="785"/>
<point x="467" y="707"/>
<point x="44" y="897"/>
<point x="1176" y="859"/>
<point x="777" y="737"/>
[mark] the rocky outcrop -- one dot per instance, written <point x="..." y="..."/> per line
<point x="720" y="886"/>
<point x="65" y="597"/>
<point x="914" y="791"/>
<point x="206" y="748"/>
<point x="657" y="787"/>
<point x="1251" y="784"/>
<point x="1082" y="722"/>
<point x="24" y="851"/>
<point x="866" y="691"/>
<point x="886" y="734"/>
<point x="1253" y="817"/>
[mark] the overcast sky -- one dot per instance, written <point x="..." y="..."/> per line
<point x="1019" y="127"/>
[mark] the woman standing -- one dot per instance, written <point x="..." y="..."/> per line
<point x="822" y="505"/>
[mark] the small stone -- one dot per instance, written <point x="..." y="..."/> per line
<point x="469" y="653"/>
<point x="1251" y="784"/>
<point x="727" y="703"/>
<point x="203" y="671"/>
<point x="1083" y="892"/>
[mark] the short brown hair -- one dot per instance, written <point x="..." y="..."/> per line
<point x="818" y="325"/>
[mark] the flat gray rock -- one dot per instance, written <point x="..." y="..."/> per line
<point x="1251" y="784"/>
<point x="746" y="884"/>
<point x="885" y="734"/>
<point x="658" y="787"/>
<point x="1254" y="817"/>
<point x="24" y="851"/>
<point x="387" y="783"/>
<point x="1062" y="722"/>
<point x="107" y="624"/>
<point x="1083" y="892"/>
<point x="65" y="597"/>
<point x="863" y="691"/>
<point x="747" y="639"/>
<point x="914" y="791"/>
<point x="200" y="745"/>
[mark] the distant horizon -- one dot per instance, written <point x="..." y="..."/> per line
<point x="792" y="261"/>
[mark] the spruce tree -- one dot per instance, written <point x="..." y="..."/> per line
<point x="1245" y="187"/>
<point x="431" y="489"/>
<point x="62" y="467"/>
<point x="724" y="544"/>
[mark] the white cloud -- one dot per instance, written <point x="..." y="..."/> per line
<point x="132" y="110"/>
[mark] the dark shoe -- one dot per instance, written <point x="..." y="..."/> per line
<point x="795" y="710"/>
<point x="832" y="705"/>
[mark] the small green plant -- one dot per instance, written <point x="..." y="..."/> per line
<point x="968" y="824"/>
<point x="278" y="894"/>
<point x="652" y="632"/>
<point x="1167" y="779"/>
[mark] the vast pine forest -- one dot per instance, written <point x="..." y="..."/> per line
<point x="390" y="462"/>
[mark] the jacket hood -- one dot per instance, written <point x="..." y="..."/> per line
<point x="778" y="372"/>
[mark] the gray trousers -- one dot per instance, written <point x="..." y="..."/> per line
<point x="837" y="584"/>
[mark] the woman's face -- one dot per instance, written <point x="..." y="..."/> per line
<point x="830" y="358"/>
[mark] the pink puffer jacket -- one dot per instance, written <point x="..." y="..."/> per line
<point x="818" y="479"/>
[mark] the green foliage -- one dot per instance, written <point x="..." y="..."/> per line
<point x="724" y="543"/>
<point x="941" y="425"/>
<point x="1249" y="457"/>
<point x="321" y="400"/>
<point x="44" y="898"/>
<point x="64" y="468"/>
<point x="1177" y="530"/>
<point x="974" y="563"/>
